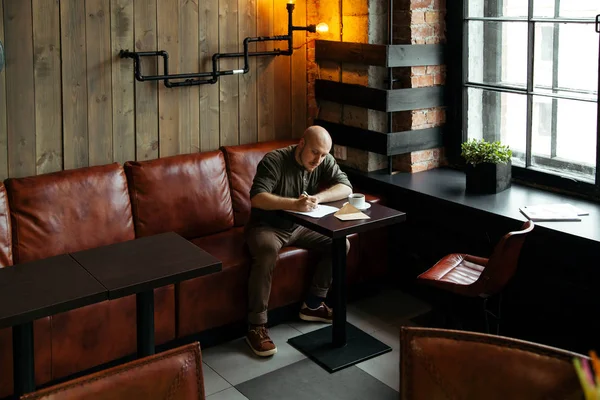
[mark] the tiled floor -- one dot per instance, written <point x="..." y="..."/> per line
<point x="231" y="364"/>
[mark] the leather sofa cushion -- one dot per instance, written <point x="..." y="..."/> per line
<point x="241" y="168"/>
<point x="6" y="258"/>
<point x="79" y="337"/>
<point x="187" y="194"/>
<point x="173" y="374"/>
<point x="41" y="349"/>
<point x="222" y="295"/>
<point x="69" y="211"/>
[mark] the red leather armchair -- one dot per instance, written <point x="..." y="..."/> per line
<point x="175" y="374"/>
<point x="478" y="277"/>
<point x="446" y="364"/>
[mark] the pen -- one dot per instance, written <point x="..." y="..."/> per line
<point x="304" y="193"/>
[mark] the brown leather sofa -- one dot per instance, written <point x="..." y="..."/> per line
<point x="174" y="374"/>
<point x="202" y="196"/>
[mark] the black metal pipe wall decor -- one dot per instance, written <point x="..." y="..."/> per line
<point x="202" y="78"/>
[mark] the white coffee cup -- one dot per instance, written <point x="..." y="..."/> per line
<point x="357" y="200"/>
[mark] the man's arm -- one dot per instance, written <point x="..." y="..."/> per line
<point x="336" y="192"/>
<point x="269" y="201"/>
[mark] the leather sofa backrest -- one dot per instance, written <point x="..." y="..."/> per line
<point x="447" y="364"/>
<point x="187" y="194"/>
<point x="174" y="374"/>
<point x="6" y="257"/>
<point x="241" y="168"/>
<point x="68" y="211"/>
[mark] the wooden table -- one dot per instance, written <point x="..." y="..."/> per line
<point x="342" y="344"/>
<point x="139" y="266"/>
<point x="35" y="290"/>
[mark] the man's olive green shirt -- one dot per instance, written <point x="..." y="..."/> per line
<point x="280" y="174"/>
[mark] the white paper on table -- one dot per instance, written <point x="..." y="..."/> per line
<point x="552" y="212"/>
<point x="318" y="212"/>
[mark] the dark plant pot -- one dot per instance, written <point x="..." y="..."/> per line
<point x="488" y="177"/>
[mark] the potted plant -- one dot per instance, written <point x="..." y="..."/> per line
<point x="488" y="166"/>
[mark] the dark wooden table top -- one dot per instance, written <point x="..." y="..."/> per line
<point x="334" y="228"/>
<point x="45" y="287"/>
<point x="143" y="264"/>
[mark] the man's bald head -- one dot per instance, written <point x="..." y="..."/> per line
<point x="318" y="136"/>
<point x="314" y="146"/>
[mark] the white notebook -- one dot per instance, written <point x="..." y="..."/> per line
<point x="321" y="211"/>
<point x="553" y="212"/>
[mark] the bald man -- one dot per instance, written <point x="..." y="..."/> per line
<point x="290" y="179"/>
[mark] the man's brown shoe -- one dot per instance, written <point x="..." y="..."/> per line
<point x="319" y="314"/>
<point x="259" y="341"/>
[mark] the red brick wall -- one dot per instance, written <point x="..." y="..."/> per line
<point x="420" y="22"/>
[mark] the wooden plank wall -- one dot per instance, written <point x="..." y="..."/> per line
<point x="67" y="100"/>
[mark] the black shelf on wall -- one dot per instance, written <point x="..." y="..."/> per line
<point x="390" y="100"/>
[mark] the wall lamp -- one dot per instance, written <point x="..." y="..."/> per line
<point x="201" y="78"/>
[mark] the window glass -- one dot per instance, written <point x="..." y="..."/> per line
<point x="561" y="67"/>
<point x="501" y="57"/>
<point x="564" y="137"/>
<point x="498" y="116"/>
<point x="497" y="8"/>
<point x="548" y="101"/>
<point x="566" y="8"/>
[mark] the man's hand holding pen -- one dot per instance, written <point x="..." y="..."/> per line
<point x="307" y="202"/>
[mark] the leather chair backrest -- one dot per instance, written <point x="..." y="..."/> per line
<point x="445" y="364"/>
<point x="68" y="211"/>
<point x="6" y="257"/>
<point x="174" y="374"/>
<point x="188" y="194"/>
<point x="241" y="168"/>
<point x="503" y="262"/>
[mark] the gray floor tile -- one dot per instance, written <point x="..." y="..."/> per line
<point x="235" y="362"/>
<point x="364" y="321"/>
<point x="227" y="394"/>
<point x="385" y="368"/>
<point x="213" y="382"/>
<point x="392" y="306"/>
<point x="305" y="380"/>
<point x="306" y="327"/>
<point x="389" y="335"/>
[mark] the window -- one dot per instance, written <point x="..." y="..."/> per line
<point x="530" y="79"/>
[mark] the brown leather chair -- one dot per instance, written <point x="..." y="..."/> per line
<point x="447" y="364"/>
<point x="174" y="374"/>
<point x="478" y="277"/>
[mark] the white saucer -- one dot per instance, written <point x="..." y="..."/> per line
<point x="366" y="207"/>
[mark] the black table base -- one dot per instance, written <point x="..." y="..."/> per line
<point x="359" y="347"/>
<point x="342" y="344"/>
<point x="145" y="323"/>
<point x="23" y="360"/>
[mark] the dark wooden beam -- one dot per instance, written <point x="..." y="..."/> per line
<point x="355" y="53"/>
<point x="357" y="138"/>
<point x="416" y="140"/>
<point x="414" y="98"/>
<point x="398" y="55"/>
<point x="388" y="144"/>
<point x="379" y="99"/>
<point x="413" y="55"/>
<point x="356" y="95"/>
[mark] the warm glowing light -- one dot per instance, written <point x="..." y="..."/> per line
<point x="291" y="1"/>
<point x="322" y="27"/>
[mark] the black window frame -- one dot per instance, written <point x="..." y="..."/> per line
<point x="455" y="59"/>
